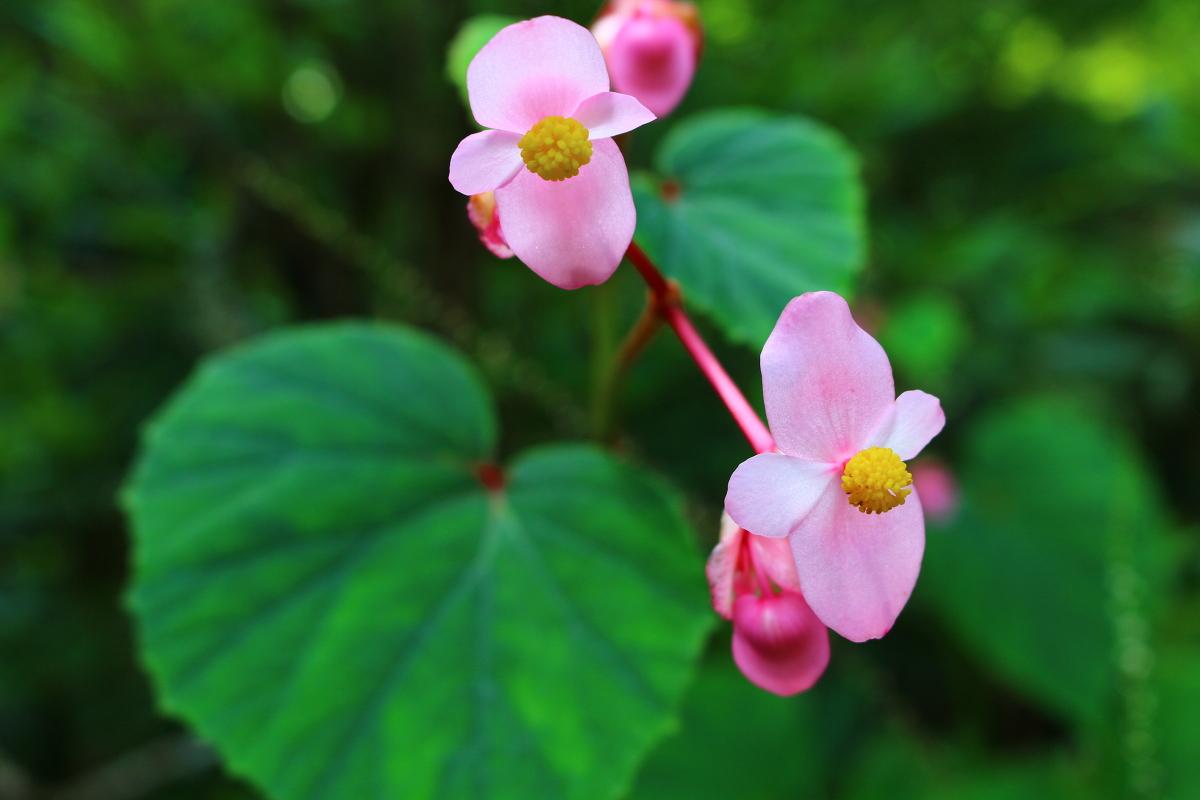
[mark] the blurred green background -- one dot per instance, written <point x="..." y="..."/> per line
<point x="177" y="176"/>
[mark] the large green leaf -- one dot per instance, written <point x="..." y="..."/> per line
<point x="750" y="210"/>
<point x="330" y="595"/>
<point x="1055" y="501"/>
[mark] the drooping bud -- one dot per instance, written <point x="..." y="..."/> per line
<point x="651" y="48"/>
<point x="938" y="488"/>
<point x="482" y="211"/>
<point x="778" y="642"/>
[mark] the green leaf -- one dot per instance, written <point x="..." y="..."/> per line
<point x="1177" y="673"/>
<point x="750" y="210"/>
<point x="896" y="765"/>
<point x="471" y="37"/>
<point x="924" y="336"/>
<point x="1055" y="502"/>
<point x="328" y="593"/>
<point x="737" y="742"/>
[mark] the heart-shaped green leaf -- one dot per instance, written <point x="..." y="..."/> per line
<point x="750" y="210"/>
<point x="329" y="593"/>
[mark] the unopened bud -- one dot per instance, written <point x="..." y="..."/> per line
<point x="651" y="48"/>
<point x="482" y="211"/>
<point x="937" y="488"/>
<point x="778" y="643"/>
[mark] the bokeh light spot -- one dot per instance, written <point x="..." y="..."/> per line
<point x="312" y="92"/>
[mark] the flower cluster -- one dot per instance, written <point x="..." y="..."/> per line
<point x="828" y="530"/>
<point x="560" y="182"/>
<point x="836" y="498"/>
<point x="838" y="489"/>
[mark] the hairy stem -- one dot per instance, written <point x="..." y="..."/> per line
<point x="674" y="315"/>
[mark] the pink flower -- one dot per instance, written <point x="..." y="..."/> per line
<point x="838" y="488"/>
<point x="481" y="210"/>
<point x="938" y="488"/>
<point x="651" y="47"/>
<point x="561" y="184"/>
<point x="778" y="643"/>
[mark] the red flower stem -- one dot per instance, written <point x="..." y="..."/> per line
<point x="668" y="303"/>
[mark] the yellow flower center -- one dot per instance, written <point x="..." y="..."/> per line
<point x="875" y="480"/>
<point x="556" y="148"/>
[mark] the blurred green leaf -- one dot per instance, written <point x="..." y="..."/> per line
<point x="924" y="336"/>
<point x="87" y="30"/>
<point x="1054" y="499"/>
<point x="750" y="210"/>
<point x="737" y="741"/>
<point x="898" y="766"/>
<point x="470" y="39"/>
<point x="1178" y="683"/>
<point x="331" y="597"/>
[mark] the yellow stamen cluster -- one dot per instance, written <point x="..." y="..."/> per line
<point x="875" y="480"/>
<point x="556" y="148"/>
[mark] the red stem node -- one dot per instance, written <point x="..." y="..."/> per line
<point x="667" y="296"/>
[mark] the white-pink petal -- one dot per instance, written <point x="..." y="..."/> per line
<point x="771" y="493"/>
<point x="574" y="232"/>
<point x="721" y="567"/>
<point x="534" y="69"/>
<point x="826" y="382"/>
<point x="608" y="114"/>
<point x="908" y="424"/>
<point x="485" y="161"/>
<point x="858" y="570"/>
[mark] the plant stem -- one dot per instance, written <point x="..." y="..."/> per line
<point x="641" y="334"/>
<point x="603" y="347"/>
<point x="669" y="307"/>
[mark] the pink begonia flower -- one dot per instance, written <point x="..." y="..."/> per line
<point x="561" y="184"/>
<point x="778" y="643"/>
<point x="651" y="47"/>
<point x="938" y="488"/>
<point x="481" y="210"/>
<point x="837" y="488"/>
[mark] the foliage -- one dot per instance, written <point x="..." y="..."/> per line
<point x="1034" y="259"/>
<point x="749" y="211"/>
<point x="320" y="571"/>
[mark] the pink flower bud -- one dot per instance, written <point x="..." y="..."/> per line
<point x="938" y="488"/>
<point x="651" y="48"/>
<point x="778" y="643"/>
<point x="481" y="210"/>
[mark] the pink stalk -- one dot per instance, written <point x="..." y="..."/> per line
<point x="760" y="574"/>
<point x="743" y="413"/>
